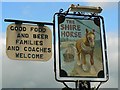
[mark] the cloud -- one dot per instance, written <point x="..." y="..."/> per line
<point x="112" y="39"/>
<point x="112" y="43"/>
<point x="36" y="74"/>
<point x="2" y="44"/>
<point x="26" y="74"/>
<point x="103" y="4"/>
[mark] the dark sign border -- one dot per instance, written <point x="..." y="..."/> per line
<point x="60" y="50"/>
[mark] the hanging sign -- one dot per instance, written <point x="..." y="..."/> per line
<point x="29" y="42"/>
<point x="81" y="49"/>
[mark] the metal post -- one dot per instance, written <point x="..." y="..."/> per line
<point x="76" y="85"/>
<point x="84" y="85"/>
<point x="80" y="86"/>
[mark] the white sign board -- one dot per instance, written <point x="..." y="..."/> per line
<point x="29" y="42"/>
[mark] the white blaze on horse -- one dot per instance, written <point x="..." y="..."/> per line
<point x="85" y="46"/>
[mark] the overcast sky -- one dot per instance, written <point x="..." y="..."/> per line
<point x="30" y="74"/>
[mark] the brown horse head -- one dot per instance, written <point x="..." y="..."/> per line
<point x="90" y="37"/>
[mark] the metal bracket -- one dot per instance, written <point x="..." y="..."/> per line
<point x="32" y="22"/>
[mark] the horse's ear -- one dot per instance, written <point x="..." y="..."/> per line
<point x="86" y="30"/>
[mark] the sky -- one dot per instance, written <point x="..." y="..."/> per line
<point x="29" y="74"/>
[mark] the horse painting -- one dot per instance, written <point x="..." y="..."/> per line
<point x="85" y="46"/>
